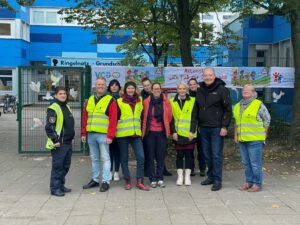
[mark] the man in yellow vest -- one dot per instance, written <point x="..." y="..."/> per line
<point x="60" y="131"/>
<point x="99" y="125"/>
<point x="252" y="121"/>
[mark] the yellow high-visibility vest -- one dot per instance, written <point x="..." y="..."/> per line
<point x="249" y="129"/>
<point x="129" y="123"/>
<point x="182" y="117"/>
<point x="59" y="122"/>
<point x="97" y="120"/>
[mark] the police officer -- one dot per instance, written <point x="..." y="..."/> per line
<point x="60" y="131"/>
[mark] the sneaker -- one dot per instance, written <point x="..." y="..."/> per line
<point x="91" y="184"/>
<point x="254" y="188"/>
<point x="116" y="176"/>
<point x="153" y="184"/>
<point x="245" y="187"/>
<point x="104" y="187"/>
<point x="161" y="184"/>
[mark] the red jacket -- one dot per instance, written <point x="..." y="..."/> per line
<point x="167" y="115"/>
<point x="112" y="117"/>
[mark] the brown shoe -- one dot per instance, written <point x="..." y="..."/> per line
<point x="140" y="185"/>
<point x="245" y="187"/>
<point x="127" y="184"/>
<point x="254" y="188"/>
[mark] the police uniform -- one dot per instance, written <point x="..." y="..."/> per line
<point x="59" y="129"/>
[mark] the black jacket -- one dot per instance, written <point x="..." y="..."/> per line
<point x="145" y="94"/>
<point x="68" y="131"/>
<point x="214" y="105"/>
<point x="184" y="140"/>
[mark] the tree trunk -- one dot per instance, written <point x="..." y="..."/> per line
<point x="295" y="25"/>
<point x="185" y="32"/>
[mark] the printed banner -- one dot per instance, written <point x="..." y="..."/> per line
<point x="175" y="74"/>
<point x="136" y="74"/>
<point x="256" y="76"/>
<point x="109" y="73"/>
<point x="282" y="77"/>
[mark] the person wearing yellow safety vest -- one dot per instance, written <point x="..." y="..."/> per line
<point x="184" y="131"/>
<point x="252" y="121"/>
<point x="130" y="109"/>
<point x="99" y="124"/>
<point x="60" y="131"/>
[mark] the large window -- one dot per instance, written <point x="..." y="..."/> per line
<point x="5" y="29"/>
<point x="5" y="80"/>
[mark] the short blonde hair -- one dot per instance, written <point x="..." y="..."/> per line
<point x="181" y="83"/>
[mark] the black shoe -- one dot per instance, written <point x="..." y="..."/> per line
<point x="216" y="187"/>
<point x="208" y="181"/>
<point x="65" y="189"/>
<point x="104" y="187"/>
<point x="202" y="173"/>
<point x="193" y="173"/>
<point x="91" y="184"/>
<point x="58" y="193"/>
<point x="166" y="172"/>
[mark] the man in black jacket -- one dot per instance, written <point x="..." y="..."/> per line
<point x="214" y="115"/>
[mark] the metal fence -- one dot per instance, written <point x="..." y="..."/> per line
<point x="36" y="87"/>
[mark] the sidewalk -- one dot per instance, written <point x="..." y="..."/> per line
<point x="25" y="198"/>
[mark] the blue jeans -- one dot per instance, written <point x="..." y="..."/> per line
<point x="212" y="145"/>
<point x="137" y="146"/>
<point x="251" y="155"/>
<point x="99" y="149"/>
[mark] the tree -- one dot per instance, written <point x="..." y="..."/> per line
<point x="115" y="17"/>
<point x="6" y="4"/>
<point x="290" y="9"/>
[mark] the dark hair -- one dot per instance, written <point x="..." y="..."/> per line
<point x="130" y="83"/>
<point x="194" y="79"/>
<point x="112" y="82"/>
<point x="155" y="84"/>
<point x="60" y="88"/>
<point x="146" y="79"/>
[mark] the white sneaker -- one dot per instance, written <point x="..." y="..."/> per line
<point x="153" y="184"/>
<point x="116" y="176"/>
<point x="161" y="184"/>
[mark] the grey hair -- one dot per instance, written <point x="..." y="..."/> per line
<point x="101" y="78"/>
<point x="209" y="68"/>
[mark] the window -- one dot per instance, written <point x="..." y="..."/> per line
<point x="51" y="17"/>
<point x="5" y="80"/>
<point x="207" y="17"/>
<point x="5" y="29"/>
<point x="227" y="17"/>
<point x="38" y="17"/>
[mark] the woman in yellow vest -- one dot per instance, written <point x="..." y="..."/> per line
<point x="130" y="108"/>
<point x="60" y="131"/>
<point x="183" y="130"/>
<point x="252" y="121"/>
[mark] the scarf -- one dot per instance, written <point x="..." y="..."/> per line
<point x="244" y="103"/>
<point x="131" y="100"/>
<point x="157" y="103"/>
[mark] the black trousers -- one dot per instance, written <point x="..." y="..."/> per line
<point x="61" y="162"/>
<point x="156" y="148"/>
<point x="187" y="155"/>
<point x="200" y="155"/>
<point x="114" y="153"/>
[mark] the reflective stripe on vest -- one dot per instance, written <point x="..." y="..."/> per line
<point x="249" y="129"/>
<point x="130" y="122"/>
<point x="59" y="122"/>
<point x="97" y="120"/>
<point x="183" y="117"/>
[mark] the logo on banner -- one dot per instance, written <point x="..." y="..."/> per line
<point x="108" y="75"/>
<point x="277" y="77"/>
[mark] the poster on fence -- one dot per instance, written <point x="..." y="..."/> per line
<point x="282" y="77"/>
<point x="175" y="74"/>
<point x="136" y="74"/>
<point x="109" y="73"/>
<point x="256" y="76"/>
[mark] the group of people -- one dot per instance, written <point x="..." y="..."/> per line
<point x="198" y="115"/>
